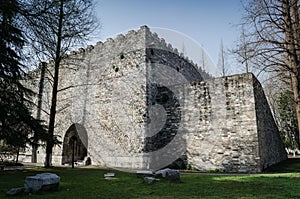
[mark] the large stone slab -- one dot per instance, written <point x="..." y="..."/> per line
<point x="43" y="181"/>
<point x="144" y="173"/>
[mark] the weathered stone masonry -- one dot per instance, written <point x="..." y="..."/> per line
<point x="235" y="130"/>
<point x="114" y="95"/>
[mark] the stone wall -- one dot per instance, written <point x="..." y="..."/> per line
<point x="136" y="103"/>
<point x="225" y="118"/>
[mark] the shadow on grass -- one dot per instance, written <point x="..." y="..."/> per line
<point x="291" y="165"/>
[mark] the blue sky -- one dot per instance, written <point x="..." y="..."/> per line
<point x="206" y="22"/>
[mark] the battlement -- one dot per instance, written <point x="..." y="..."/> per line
<point x="143" y="38"/>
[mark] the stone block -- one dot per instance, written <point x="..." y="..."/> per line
<point x="43" y="181"/>
<point x="109" y="175"/>
<point x="169" y="174"/>
<point x="144" y="173"/>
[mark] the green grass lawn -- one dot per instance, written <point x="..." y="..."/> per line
<point x="282" y="181"/>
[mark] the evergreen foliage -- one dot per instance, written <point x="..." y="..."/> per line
<point x="288" y="120"/>
<point x="16" y="121"/>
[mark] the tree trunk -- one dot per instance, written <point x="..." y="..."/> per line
<point x="18" y="151"/>
<point x="39" y="109"/>
<point x="291" y="25"/>
<point x="296" y="59"/>
<point x="73" y="152"/>
<point x="296" y="89"/>
<point x="49" y="146"/>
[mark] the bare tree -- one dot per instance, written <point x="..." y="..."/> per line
<point x="222" y="60"/>
<point x="55" y="27"/>
<point x="272" y="40"/>
<point x="242" y="51"/>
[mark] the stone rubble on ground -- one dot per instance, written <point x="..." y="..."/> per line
<point x="150" y="180"/>
<point x="169" y="174"/>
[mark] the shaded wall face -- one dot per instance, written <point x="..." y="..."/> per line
<point x="167" y="72"/>
<point x="271" y="148"/>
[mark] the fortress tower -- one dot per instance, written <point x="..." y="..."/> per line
<point x="134" y="102"/>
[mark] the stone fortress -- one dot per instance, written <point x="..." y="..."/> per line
<point x="134" y="102"/>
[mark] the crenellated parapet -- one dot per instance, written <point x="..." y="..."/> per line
<point x="143" y="38"/>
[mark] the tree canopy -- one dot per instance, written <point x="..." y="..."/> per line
<point x="270" y="42"/>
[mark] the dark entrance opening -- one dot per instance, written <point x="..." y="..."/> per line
<point x="74" y="145"/>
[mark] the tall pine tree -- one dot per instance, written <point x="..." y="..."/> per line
<point x="16" y="122"/>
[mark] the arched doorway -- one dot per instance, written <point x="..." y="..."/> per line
<point x="75" y="144"/>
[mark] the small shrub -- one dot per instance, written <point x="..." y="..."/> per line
<point x="122" y="55"/>
<point x="188" y="167"/>
<point x="116" y="69"/>
<point x="191" y="168"/>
